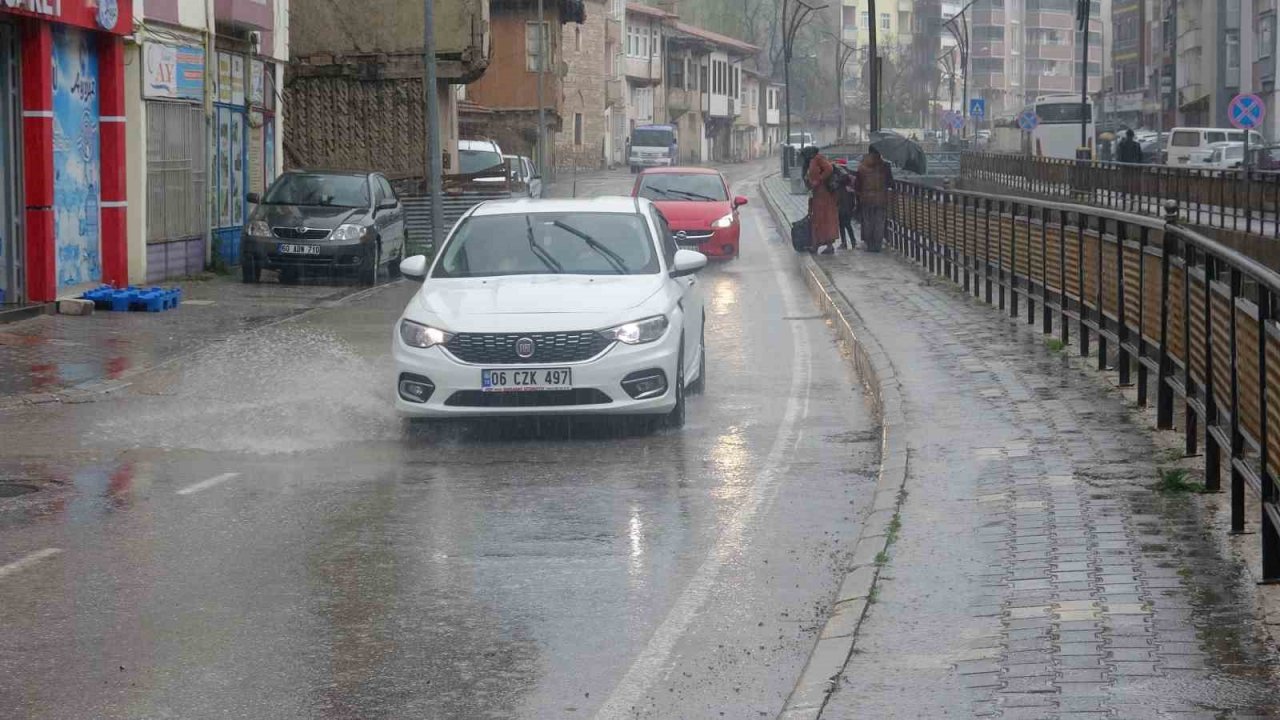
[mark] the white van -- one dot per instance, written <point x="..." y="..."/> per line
<point x="1186" y="144"/>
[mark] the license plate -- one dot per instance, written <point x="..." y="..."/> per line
<point x="300" y="249"/>
<point x="526" y="380"/>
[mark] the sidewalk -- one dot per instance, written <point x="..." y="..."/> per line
<point x="54" y="358"/>
<point x="1037" y="573"/>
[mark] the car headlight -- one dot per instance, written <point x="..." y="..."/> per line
<point x="348" y="232"/>
<point x="258" y="228"/>
<point x="724" y="222"/>
<point x="639" y="331"/>
<point x="422" y="336"/>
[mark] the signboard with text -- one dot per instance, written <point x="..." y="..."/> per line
<point x="113" y="16"/>
<point x="173" y="72"/>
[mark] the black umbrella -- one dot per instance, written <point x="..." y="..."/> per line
<point x="902" y="152"/>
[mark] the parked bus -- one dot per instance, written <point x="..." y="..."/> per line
<point x="1058" y="133"/>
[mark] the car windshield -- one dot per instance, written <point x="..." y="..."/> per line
<point x="549" y="243"/>
<point x="319" y="189"/>
<point x="651" y="138"/>
<point x="473" y="161"/>
<point x="682" y="186"/>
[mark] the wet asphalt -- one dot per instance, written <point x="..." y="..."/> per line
<point x="252" y="533"/>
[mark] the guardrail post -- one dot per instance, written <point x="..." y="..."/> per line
<point x="1188" y="383"/>
<point x="986" y="256"/>
<point x="1143" y="240"/>
<point x="1013" y="259"/>
<point x="1270" y="533"/>
<point x="1122" y="329"/>
<point x="1164" y="393"/>
<point x="1080" y="306"/>
<point x="1046" y="325"/>
<point x="1212" y="450"/>
<point x="1237" y="439"/>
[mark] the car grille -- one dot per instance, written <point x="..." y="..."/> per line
<point x="692" y="238"/>
<point x="500" y="349"/>
<point x="293" y="233"/>
<point x="535" y="398"/>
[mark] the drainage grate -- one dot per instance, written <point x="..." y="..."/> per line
<point x="15" y="489"/>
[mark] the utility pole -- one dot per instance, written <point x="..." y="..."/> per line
<point x="1082" y="25"/>
<point x="435" y="171"/>
<point x="873" y="62"/>
<point x="542" y="113"/>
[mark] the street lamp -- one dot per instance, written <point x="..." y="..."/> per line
<point x="958" y="26"/>
<point x="794" y="13"/>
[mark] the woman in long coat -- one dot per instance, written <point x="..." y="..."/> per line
<point x="823" y="209"/>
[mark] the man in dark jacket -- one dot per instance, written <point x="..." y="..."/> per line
<point x="1129" y="151"/>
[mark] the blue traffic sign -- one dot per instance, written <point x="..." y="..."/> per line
<point x="977" y="108"/>
<point x="954" y="120"/>
<point x="1246" y="111"/>
<point x="1028" y="120"/>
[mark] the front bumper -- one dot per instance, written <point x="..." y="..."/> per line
<point x="597" y="379"/>
<point x="265" y="252"/>
<point x="651" y="162"/>
<point x="721" y="243"/>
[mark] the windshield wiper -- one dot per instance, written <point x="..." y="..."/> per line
<point x="539" y="251"/>
<point x="686" y="193"/>
<point x="614" y="258"/>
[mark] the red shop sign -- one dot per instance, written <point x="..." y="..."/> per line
<point x="113" y="16"/>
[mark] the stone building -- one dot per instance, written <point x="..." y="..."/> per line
<point x="588" y="54"/>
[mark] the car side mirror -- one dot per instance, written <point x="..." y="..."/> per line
<point x="414" y="267"/>
<point x="688" y="262"/>
<point x="254" y="198"/>
<point x="387" y="204"/>
<point x="740" y="201"/>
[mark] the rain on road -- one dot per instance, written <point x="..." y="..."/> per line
<point x="251" y="532"/>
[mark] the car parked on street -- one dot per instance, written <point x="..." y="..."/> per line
<point x="523" y="174"/>
<point x="537" y="307"/>
<point x="1224" y="156"/>
<point x="697" y="203"/>
<point x="478" y="156"/>
<point x="337" y="222"/>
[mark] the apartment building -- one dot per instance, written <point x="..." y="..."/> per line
<point x="1021" y="50"/>
<point x="703" y="89"/>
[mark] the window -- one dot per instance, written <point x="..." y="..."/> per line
<point x="1264" y="35"/>
<point x="675" y="73"/>
<point x="677" y="186"/>
<point x="987" y="65"/>
<point x="886" y="21"/>
<point x="1233" y="49"/>
<point x="577" y="129"/>
<point x="704" y="82"/>
<point x="988" y="33"/>
<point x="634" y="36"/>
<point x="577" y="38"/>
<point x="527" y="244"/>
<point x="642" y="101"/>
<point x="653" y="43"/>
<point x="849" y="17"/>
<point x="175" y="171"/>
<point x="533" y="48"/>
<point x="864" y="19"/>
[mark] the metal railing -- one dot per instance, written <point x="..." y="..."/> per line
<point x="1184" y="310"/>
<point x="1238" y="200"/>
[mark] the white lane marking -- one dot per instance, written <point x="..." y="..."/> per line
<point x="653" y="659"/>
<point x="206" y="484"/>
<point x="28" y="561"/>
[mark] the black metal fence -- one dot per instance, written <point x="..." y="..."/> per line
<point x="1238" y="200"/>
<point x="1195" y="319"/>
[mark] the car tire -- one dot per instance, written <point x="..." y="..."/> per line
<point x="675" y="418"/>
<point x="369" y="270"/>
<point x="699" y="386"/>
<point x="250" y="271"/>
<point x="289" y="276"/>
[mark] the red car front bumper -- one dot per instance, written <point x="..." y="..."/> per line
<point x="721" y="244"/>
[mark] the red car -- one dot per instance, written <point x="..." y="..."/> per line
<point x="697" y="204"/>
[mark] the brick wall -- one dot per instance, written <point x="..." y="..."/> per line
<point x="583" y="90"/>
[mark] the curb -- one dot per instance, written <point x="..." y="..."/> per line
<point x="839" y="633"/>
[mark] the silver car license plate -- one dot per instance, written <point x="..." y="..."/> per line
<point x="288" y="249"/>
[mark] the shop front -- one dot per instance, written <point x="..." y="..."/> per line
<point x="244" y="144"/>
<point x="62" y="165"/>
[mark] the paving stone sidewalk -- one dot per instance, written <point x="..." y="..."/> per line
<point x="54" y="357"/>
<point x="1038" y="573"/>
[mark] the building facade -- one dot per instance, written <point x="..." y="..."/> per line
<point x="63" y="190"/>
<point x="588" y="104"/>
<point x="1025" y="50"/>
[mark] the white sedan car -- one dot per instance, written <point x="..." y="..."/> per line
<point x="537" y="307"/>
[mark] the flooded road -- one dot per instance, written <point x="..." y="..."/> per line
<point x="251" y="532"/>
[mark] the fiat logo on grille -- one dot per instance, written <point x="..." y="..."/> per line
<point x="524" y="347"/>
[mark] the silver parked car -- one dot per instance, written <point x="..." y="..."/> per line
<point x="523" y="172"/>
